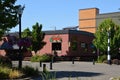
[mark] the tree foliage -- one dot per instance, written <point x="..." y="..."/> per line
<point x="101" y="36"/>
<point x="8" y="15"/>
<point x="26" y="33"/>
<point x="36" y="35"/>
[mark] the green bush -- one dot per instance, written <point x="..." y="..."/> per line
<point x="8" y="73"/>
<point x="35" y="58"/>
<point x="46" y="58"/>
<point x="42" y="58"/>
<point x="29" y="71"/>
<point x="4" y="73"/>
<point x="102" y="58"/>
<point x="47" y="75"/>
<point x="5" y="61"/>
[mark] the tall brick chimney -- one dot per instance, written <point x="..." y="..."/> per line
<point x="87" y="19"/>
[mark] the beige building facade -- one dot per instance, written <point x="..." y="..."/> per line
<point x="90" y="18"/>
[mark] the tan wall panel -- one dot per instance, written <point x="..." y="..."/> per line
<point x="85" y="14"/>
<point x="87" y="23"/>
<point x="87" y="19"/>
<point x="91" y="30"/>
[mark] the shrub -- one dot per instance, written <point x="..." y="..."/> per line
<point x="35" y="58"/>
<point x="29" y="71"/>
<point x="46" y="57"/>
<point x="8" y="73"/>
<point x="102" y="58"/>
<point x="43" y="58"/>
<point x="116" y="61"/>
<point x="4" y="72"/>
<point x="14" y="74"/>
<point x="5" y="61"/>
<point x="48" y="76"/>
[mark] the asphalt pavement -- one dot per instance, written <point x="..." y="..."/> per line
<point x="66" y="70"/>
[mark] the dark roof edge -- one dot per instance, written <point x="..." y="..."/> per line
<point x="89" y="8"/>
<point x="108" y="13"/>
<point x="68" y="32"/>
<point x="52" y="32"/>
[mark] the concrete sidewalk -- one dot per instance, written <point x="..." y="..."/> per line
<point x="79" y="70"/>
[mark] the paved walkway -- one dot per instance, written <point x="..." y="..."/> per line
<point x="79" y="70"/>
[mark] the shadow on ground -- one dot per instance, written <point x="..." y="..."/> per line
<point x="62" y="74"/>
<point x="69" y="74"/>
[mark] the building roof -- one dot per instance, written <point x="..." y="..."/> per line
<point x="115" y="16"/>
<point x="89" y="8"/>
<point x="109" y="15"/>
<point x="52" y="32"/>
<point x="16" y="34"/>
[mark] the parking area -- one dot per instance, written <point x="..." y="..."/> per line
<point x="78" y="71"/>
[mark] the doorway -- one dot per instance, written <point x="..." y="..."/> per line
<point x="56" y="47"/>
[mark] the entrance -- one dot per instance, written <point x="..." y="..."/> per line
<point x="56" y="47"/>
<point x="56" y="42"/>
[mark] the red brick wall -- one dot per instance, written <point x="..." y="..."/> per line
<point x="66" y="45"/>
<point x="80" y="51"/>
<point x="48" y="47"/>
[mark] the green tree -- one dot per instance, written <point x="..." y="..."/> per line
<point x="101" y="37"/>
<point x="26" y="33"/>
<point x="8" y="15"/>
<point x="36" y="36"/>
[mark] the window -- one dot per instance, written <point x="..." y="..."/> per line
<point x="83" y="45"/>
<point x="74" y="45"/>
<point x="56" y="46"/>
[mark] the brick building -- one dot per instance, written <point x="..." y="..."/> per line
<point x="89" y="19"/>
<point x="68" y="43"/>
<point x="71" y="42"/>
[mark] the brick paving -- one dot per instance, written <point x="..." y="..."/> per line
<point x="78" y="70"/>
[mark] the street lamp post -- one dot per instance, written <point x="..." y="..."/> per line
<point x="20" y="11"/>
<point x="108" y="50"/>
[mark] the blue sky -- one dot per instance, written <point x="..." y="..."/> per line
<point x="60" y="13"/>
